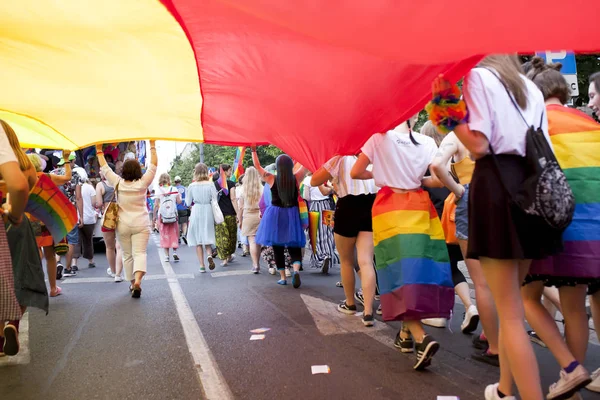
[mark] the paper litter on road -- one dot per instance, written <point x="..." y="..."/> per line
<point x="257" y="337"/>
<point x="447" y="398"/>
<point x="219" y="313"/>
<point x="260" y="330"/>
<point x="320" y="369"/>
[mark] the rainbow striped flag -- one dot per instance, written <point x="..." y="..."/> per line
<point x="412" y="259"/>
<point x="576" y="141"/>
<point x="48" y="204"/>
<point x="223" y="182"/>
<point x="238" y="168"/>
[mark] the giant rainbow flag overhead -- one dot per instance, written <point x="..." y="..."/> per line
<point x="314" y="78"/>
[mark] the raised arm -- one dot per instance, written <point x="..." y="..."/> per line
<point x="359" y="170"/>
<point x="267" y="177"/>
<point x="111" y="177"/>
<point x="299" y="172"/>
<point x="62" y="179"/>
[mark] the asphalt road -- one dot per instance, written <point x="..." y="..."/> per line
<point x="188" y="337"/>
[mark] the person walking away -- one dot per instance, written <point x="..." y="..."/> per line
<point x="104" y="195"/>
<point x="72" y="189"/>
<point x="319" y="201"/>
<point x="410" y="249"/>
<point x="88" y="222"/>
<point x="226" y="233"/>
<point x="29" y="286"/>
<point x="201" y="231"/>
<point x="43" y="237"/>
<point x="166" y="201"/>
<point x="502" y="104"/>
<point x="353" y="230"/>
<point x="281" y="226"/>
<point x="183" y="210"/>
<point x="250" y="214"/>
<point x="133" y="231"/>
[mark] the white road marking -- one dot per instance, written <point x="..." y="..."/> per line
<point x="23" y="357"/>
<point x="211" y="379"/>
<point x="112" y="280"/>
<point x="230" y="273"/>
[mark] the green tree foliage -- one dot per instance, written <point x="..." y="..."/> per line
<point x="217" y="155"/>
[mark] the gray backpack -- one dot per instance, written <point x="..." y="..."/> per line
<point x="168" y="209"/>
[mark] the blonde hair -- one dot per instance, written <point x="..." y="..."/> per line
<point x="36" y="162"/>
<point x="164" y="179"/>
<point x="510" y="70"/>
<point x="24" y="161"/>
<point x="430" y="130"/>
<point x="252" y="187"/>
<point x="200" y="172"/>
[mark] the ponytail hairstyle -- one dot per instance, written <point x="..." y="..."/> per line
<point x="412" y="138"/>
<point x="549" y="80"/>
<point x="286" y="181"/>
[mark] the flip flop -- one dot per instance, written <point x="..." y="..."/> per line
<point x="57" y="293"/>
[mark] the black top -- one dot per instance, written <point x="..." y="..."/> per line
<point x="276" y="200"/>
<point x="225" y="203"/>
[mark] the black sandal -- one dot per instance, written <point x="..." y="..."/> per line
<point x="135" y="292"/>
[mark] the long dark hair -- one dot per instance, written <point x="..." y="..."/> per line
<point x="286" y="181"/>
<point x="412" y="138"/>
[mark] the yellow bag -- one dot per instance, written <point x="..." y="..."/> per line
<point x="110" y="218"/>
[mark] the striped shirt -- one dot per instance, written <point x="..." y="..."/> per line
<point x="339" y="168"/>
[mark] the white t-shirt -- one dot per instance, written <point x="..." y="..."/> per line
<point x="6" y="152"/>
<point x="131" y="197"/>
<point x="492" y="112"/>
<point x="88" y="193"/>
<point x="315" y="193"/>
<point x="339" y="168"/>
<point x="397" y="162"/>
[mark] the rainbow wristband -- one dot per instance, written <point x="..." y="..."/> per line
<point x="447" y="110"/>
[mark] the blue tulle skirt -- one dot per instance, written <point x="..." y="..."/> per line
<point x="281" y="227"/>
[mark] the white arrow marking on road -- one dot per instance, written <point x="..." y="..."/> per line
<point x="330" y="321"/>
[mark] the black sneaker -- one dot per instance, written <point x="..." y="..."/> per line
<point x="59" y="271"/>
<point x="536" y="339"/>
<point x="346" y="309"/>
<point x="326" y="263"/>
<point x="74" y="268"/>
<point x="175" y="257"/>
<point x="480" y="344"/>
<point x="358" y="295"/>
<point x="215" y="254"/>
<point x="69" y="272"/>
<point x="485" y="357"/>
<point x="368" y="320"/>
<point x="404" y="345"/>
<point x="184" y="239"/>
<point x="425" y="352"/>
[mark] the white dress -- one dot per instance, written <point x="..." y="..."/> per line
<point x="201" y="229"/>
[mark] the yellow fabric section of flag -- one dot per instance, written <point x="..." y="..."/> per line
<point x="577" y="150"/>
<point x="75" y="73"/>
<point x="401" y="222"/>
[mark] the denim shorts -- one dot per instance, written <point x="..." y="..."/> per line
<point x="462" y="216"/>
<point x="73" y="236"/>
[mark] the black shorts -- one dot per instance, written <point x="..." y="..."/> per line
<point x="184" y="215"/>
<point x="353" y="215"/>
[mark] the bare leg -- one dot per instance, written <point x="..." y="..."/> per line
<point x="485" y="301"/>
<point x="551" y="301"/>
<point x="576" y="322"/>
<point x="200" y="254"/>
<point x="51" y="265"/>
<point x="595" y="305"/>
<point x="345" y="248"/>
<point x="364" y="247"/>
<point x="462" y="291"/>
<point x="166" y="252"/>
<point x="543" y="324"/>
<point x="504" y="278"/>
<point x="111" y="254"/>
<point x="416" y="329"/>
<point x="254" y="251"/>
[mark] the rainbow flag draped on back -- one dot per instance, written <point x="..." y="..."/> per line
<point x="48" y="204"/>
<point x="314" y="220"/>
<point x="223" y="182"/>
<point x="238" y="168"/>
<point x="413" y="266"/>
<point x="576" y="141"/>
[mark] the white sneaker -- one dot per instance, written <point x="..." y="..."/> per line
<point x="272" y="270"/>
<point x="595" y="385"/>
<point x="167" y="259"/>
<point x="569" y="383"/>
<point x="491" y="393"/>
<point x="118" y="278"/>
<point x="110" y="273"/>
<point x="435" y="322"/>
<point x="287" y="272"/>
<point x="471" y="320"/>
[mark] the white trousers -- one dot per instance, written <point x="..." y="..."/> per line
<point x="134" y="243"/>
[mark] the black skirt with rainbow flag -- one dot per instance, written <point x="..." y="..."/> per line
<point x="412" y="260"/>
